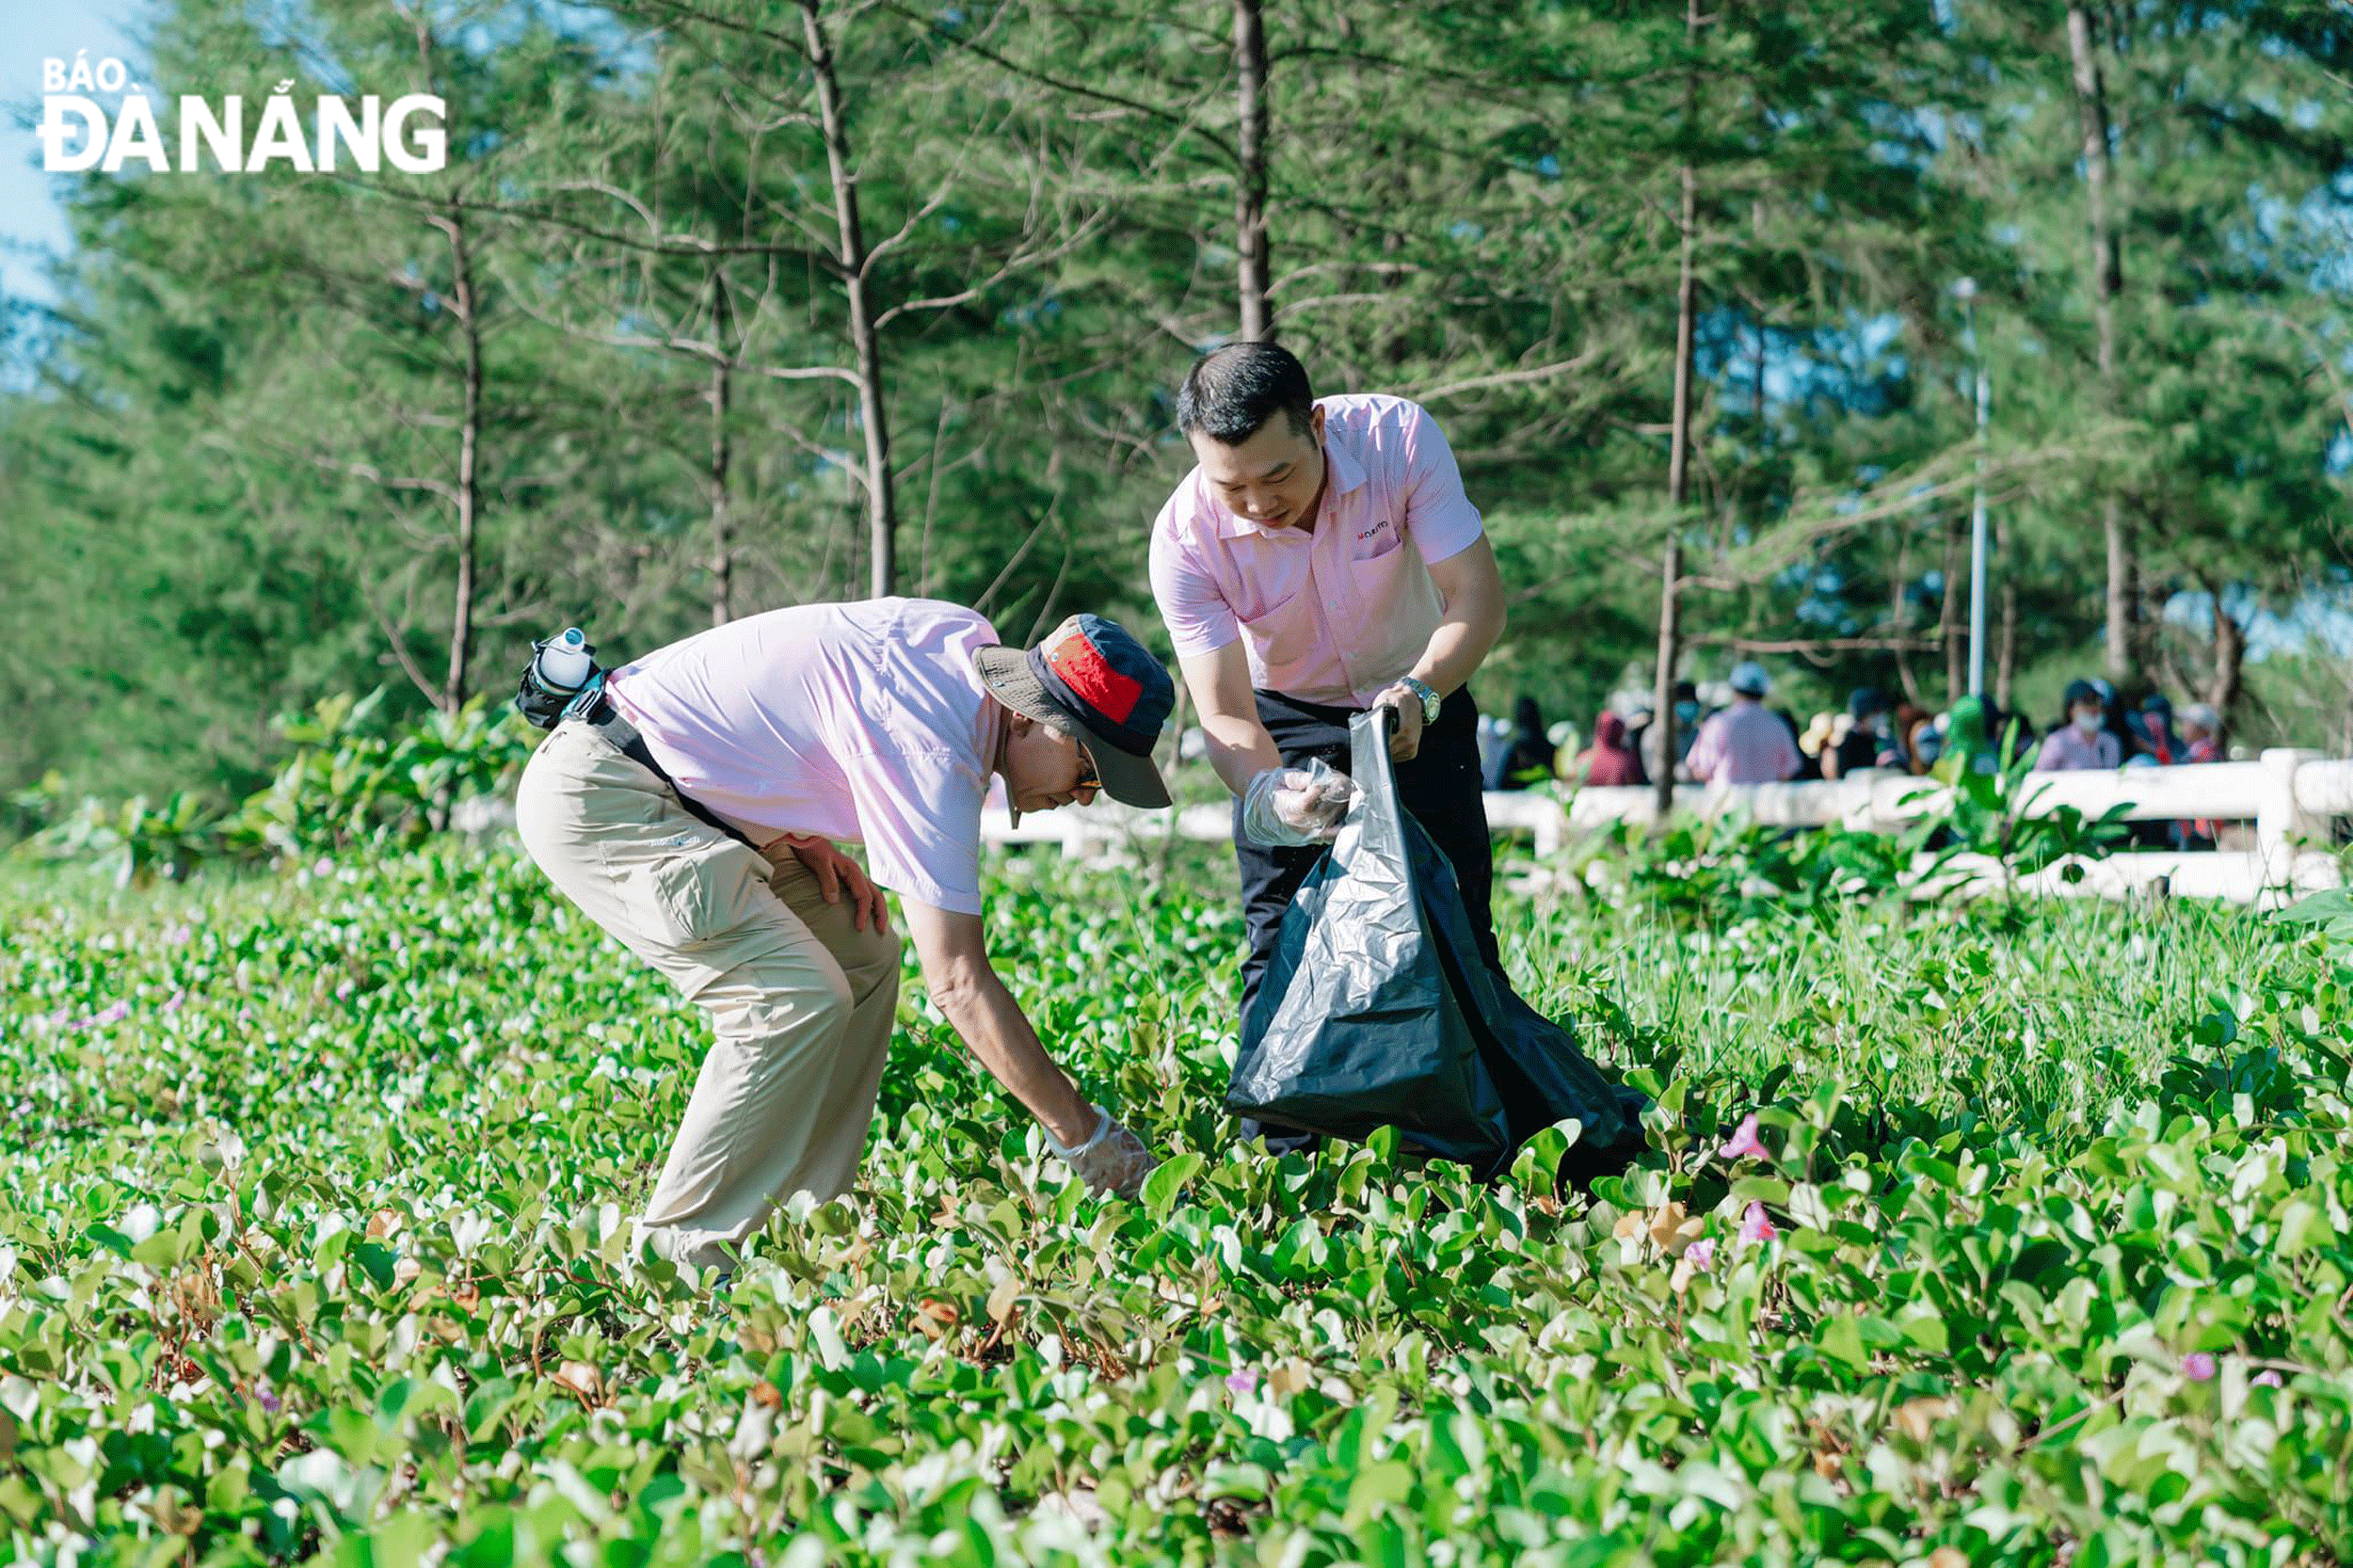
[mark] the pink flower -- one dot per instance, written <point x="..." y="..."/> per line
<point x="179" y="999"/>
<point x="1701" y="1253"/>
<point x="2197" y="1367"/>
<point x="1743" y="1140"/>
<point x="269" y="1401"/>
<point x="1241" y="1383"/>
<point x="2268" y="1380"/>
<point x="1755" y="1227"/>
<point x="115" y="1014"/>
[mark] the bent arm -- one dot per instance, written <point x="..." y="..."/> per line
<point x="1239" y="747"/>
<point x="966" y="989"/>
<point x="1472" y="591"/>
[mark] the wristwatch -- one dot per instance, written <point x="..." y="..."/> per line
<point x="1428" y="694"/>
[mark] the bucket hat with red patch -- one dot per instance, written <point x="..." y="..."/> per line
<point x="1091" y="680"/>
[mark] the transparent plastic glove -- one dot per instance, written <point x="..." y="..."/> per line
<point x="1291" y="806"/>
<point x="1113" y="1160"/>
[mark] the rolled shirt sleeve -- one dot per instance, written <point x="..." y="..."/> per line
<point x="1440" y="518"/>
<point x="1198" y="618"/>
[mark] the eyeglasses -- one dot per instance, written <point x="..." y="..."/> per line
<point x="1088" y="778"/>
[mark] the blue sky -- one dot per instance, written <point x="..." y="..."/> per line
<point x="39" y="30"/>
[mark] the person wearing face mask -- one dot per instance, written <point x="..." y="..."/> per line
<point x="1689" y="713"/>
<point x="2082" y="741"/>
<point x="2202" y="734"/>
<point x="1322" y="559"/>
<point x="691" y="811"/>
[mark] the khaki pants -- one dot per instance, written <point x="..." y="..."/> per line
<point x="801" y="1002"/>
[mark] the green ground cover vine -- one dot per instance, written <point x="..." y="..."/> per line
<point x="2033" y="1251"/>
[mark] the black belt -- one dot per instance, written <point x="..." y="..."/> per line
<point x="603" y="716"/>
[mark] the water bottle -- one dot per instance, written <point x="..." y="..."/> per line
<point x="564" y="663"/>
<point x="561" y="668"/>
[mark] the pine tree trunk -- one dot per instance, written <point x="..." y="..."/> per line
<point x="466" y="308"/>
<point x="1899" y="616"/>
<point x="1678" y="455"/>
<point x="1250" y="238"/>
<point x="465" y="304"/>
<point x="881" y="510"/>
<point x="2107" y="282"/>
<point x="722" y="547"/>
<point x="2229" y="658"/>
<point x="2006" y="664"/>
<point x="722" y="448"/>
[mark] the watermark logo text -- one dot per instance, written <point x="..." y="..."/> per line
<point x="78" y="134"/>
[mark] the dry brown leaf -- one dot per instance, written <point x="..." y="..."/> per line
<point x="582" y="1379"/>
<point x="766" y="1393"/>
<point x="1673" y="1229"/>
<point x="1917" y="1418"/>
<point x="176" y="1513"/>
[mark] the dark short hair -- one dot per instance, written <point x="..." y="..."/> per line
<point x="1232" y="392"/>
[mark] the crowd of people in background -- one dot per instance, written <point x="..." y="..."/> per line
<point x="1749" y="739"/>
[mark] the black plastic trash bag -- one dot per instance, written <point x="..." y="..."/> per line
<point x="1377" y="1009"/>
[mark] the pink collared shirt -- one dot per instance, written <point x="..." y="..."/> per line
<point x="860" y="723"/>
<point x="2067" y="750"/>
<point x="1744" y="744"/>
<point x="1335" y="613"/>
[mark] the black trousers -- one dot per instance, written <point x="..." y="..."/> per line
<point x="1440" y="786"/>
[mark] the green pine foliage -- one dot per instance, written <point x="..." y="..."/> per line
<point x="283" y="437"/>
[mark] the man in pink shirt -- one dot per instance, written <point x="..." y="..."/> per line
<point x="692" y="813"/>
<point x="1322" y="559"/>
<point x="1747" y="743"/>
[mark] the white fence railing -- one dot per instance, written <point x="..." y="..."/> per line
<point x="2288" y="795"/>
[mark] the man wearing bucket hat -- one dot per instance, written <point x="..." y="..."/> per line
<point x="693" y="813"/>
